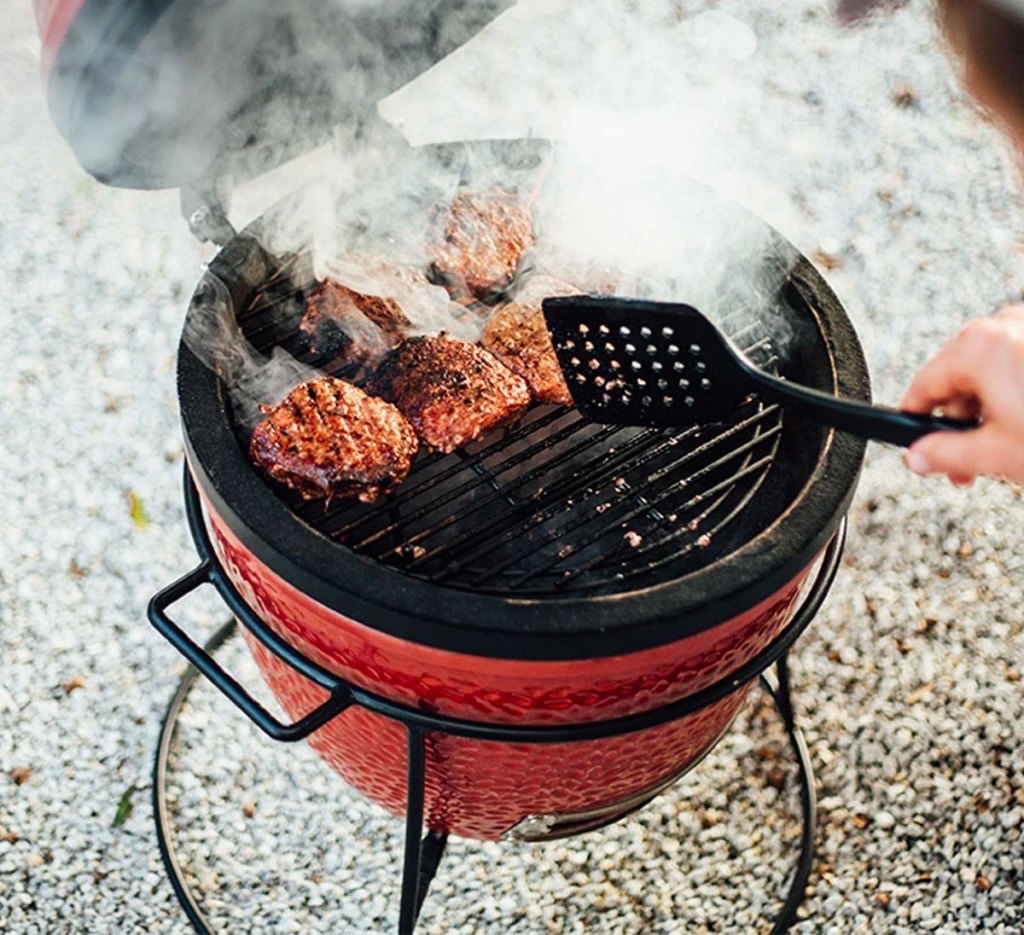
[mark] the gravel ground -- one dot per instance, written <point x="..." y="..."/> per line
<point x="908" y="683"/>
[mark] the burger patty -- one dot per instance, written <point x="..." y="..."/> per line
<point x="452" y="392"/>
<point x="484" y="237"/>
<point x="518" y="336"/>
<point x="327" y="438"/>
<point x="349" y="329"/>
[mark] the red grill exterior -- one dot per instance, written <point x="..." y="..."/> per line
<point x="483" y="789"/>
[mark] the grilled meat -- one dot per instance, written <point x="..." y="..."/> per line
<point x="348" y="328"/>
<point x="452" y="392"/>
<point x="327" y="438"/>
<point x="518" y="336"/>
<point x="484" y="238"/>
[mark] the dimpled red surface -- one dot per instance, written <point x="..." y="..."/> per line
<point x="481" y="789"/>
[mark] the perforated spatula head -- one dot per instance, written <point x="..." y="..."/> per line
<point x="633" y="362"/>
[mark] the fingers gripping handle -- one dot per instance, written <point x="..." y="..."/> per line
<point x="205" y="573"/>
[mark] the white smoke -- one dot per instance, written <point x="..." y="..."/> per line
<point x="649" y="108"/>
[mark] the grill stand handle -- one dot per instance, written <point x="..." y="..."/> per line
<point x="207" y="572"/>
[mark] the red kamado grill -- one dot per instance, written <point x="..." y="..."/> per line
<point x="537" y="634"/>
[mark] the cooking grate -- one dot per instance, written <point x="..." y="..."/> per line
<point x="556" y="504"/>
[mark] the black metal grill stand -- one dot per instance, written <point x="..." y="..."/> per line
<point x="423" y="854"/>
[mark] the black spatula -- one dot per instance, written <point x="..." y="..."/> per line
<point x="635" y="362"/>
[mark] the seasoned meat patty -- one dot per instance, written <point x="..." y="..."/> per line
<point x="452" y="392"/>
<point x="484" y="237"/>
<point x="518" y="336"/>
<point x="348" y="328"/>
<point x="327" y="438"/>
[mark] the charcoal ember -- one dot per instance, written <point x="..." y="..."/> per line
<point x="483" y="239"/>
<point x="452" y="392"/>
<point x="327" y="438"/>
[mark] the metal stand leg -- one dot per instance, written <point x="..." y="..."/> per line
<point x="160" y="813"/>
<point x="778" y="687"/>
<point x="421" y="857"/>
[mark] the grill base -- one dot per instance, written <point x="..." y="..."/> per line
<point x="422" y="856"/>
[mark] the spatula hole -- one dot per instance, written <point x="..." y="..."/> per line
<point x="700" y="366"/>
<point x="637" y="366"/>
<point x="689" y="400"/>
<point x="630" y="348"/>
<point x="604" y="329"/>
<point x="594" y="363"/>
<point x="705" y="384"/>
<point x="583" y="329"/>
<point x="667" y="332"/>
<point x="684" y="384"/>
<point x="624" y="331"/>
<point x="695" y="350"/>
<point x="646" y="401"/>
<point x="678" y="366"/>
<point x="645" y="332"/>
<point x="651" y="350"/>
<point x="656" y="366"/>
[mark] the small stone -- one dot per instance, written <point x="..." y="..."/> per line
<point x="73" y="683"/>
<point x="19" y="775"/>
<point x="882" y="900"/>
<point x="860" y="821"/>
<point x="884" y="820"/>
<point x="249" y="809"/>
<point x="904" y="96"/>
<point x="982" y="884"/>
<point x="827" y="260"/>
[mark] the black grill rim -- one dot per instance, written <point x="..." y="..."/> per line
<point x="387" y="600"/>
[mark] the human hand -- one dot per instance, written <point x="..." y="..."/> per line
<point x="979" y="374"/>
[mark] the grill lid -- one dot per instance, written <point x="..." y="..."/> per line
<point x="162" y="94"/>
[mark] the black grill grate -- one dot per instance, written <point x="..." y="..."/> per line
<point x="555" y="504"/>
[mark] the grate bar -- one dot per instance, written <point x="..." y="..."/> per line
<point x="674" y="556"/>
<point x="433" y="505"/>
<point x="609" y="462"/>
<point x="488" y="477"/>
<point x="550" y="512"/>
<point x="408" y="493"/>
<point x="515" y="484"/>
<point x="685" y="528"/>
<point x="674" y="488"/>
<point x="552" y="504"/>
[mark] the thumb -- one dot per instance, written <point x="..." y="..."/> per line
<point x="960" y="454"/>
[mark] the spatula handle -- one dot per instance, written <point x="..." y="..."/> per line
<point x="878" y="423"/>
